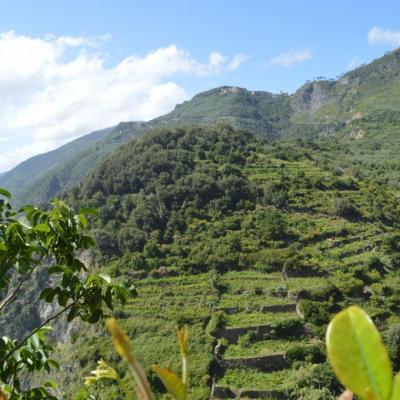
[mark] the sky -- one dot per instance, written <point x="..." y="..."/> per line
<point x="70" y="67"/>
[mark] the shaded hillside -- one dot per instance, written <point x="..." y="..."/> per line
<point x="75" y="166"/>
<point x="36" y="168"/>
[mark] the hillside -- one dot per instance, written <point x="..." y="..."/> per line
<point x="36" y="168"/>
<point x="76" y="166"/>
<point x="362" y="105"/>
<point x="254" y="244"/>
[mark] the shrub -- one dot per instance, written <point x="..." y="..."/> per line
<point x="309" y="381"/>
<point x="273" y="225"/>
<point x="349" y="286"/>
<point x="300" y="352"/>
<point x="217" y="321"/>
<point x="316" y="312"/>
<point x="392" y="340"/>
<point x="344" y="207"/>
<point x="276" y="194"/>
<point x="289" y="328"/>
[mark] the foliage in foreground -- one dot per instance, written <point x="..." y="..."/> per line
<point x="45" y="243"/>
<point x="359" y="357"/>
<point x="354" y="346"/>
<point x="176" y="386"/>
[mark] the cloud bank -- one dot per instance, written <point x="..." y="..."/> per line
<point x="378" y="36"/>
<point x="54" y="89"/>
<point x="292" y="57"/>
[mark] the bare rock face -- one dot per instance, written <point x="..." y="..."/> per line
<point x="313" y="96"/>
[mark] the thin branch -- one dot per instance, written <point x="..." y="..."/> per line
<point x="11" y="296"/>
<point x="48" y="320"/>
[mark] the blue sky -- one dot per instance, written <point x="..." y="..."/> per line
<point x="106" y="61"/>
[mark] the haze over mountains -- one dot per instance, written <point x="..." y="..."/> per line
<point x="356" y="106"/>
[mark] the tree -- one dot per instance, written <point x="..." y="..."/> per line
<point x="35" y="242"/>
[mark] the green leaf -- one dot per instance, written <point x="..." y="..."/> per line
<point x="16" y="355"/>
<point x="42" y="228"/>
<point x="74" y="312"/>
<point x="172" y="382"/>
<point x="3" y="247"/>
<point x="396" y="388"/>
<point x="88" y="211"/>
<point x="358" y="355"/>
<point x="48" y="295"/>
<point x="54" y="364"/>
<point x="108" y="298"/>
<point x="5" y="193"/>
<point x="95" y="316"/>
<point x="62" y="299"/>
<point x="51" y="384"/>
<point x="80" y="218"/>
<point x="106" y="278"/>
<point x="35" y="341"/>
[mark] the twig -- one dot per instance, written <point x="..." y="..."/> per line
<point x="48" y="320"/>
<point x="11" y="296"/>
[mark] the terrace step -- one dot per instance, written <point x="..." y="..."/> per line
<point x="232" y="334"/>
<point x="225" y="392"/>
<point x="274" y="308"/>
<point x="367" y="247"/>
<point x="337" y="243"/>
<point x="269" y="363"/>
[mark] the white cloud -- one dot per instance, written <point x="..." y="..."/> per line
<point x="237" y="61"/>
<point x="380" y="36"/>
<point x="54" y="89"/>
<point x="292" y="57"/>
<point x="354" y="63"/>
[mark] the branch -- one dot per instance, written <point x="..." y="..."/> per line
<point x="11" y="296"/>
<point x="48" y="320"/>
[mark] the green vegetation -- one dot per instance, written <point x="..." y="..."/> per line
<point x="254" y="222"/>
<point x="221" y="229"/>
<point x="38" y="243"/>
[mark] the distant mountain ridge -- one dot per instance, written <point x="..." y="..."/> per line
<point x="38" y="166"/>
<point x="358" y="104"/>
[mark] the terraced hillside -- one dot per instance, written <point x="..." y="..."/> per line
<point x="253" y="245"/>
<point x="263" y="343"/>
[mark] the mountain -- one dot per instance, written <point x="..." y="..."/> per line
<point x="74" y="166"/>
<point x="256" y="111"/>
<point x="368" y="93"/>
<point x="36" y="168"/>
<point x="361" y="104"/>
